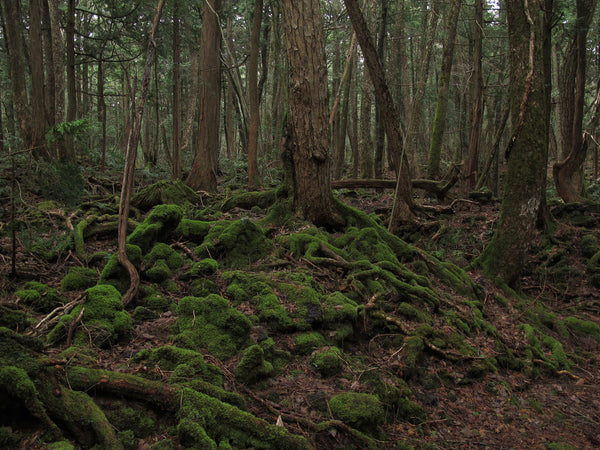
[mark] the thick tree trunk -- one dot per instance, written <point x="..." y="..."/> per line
<point x="527" y="153"/>
<point x="203" y="174"/>
<point x="379" y="126"/>
<point x="14" y="43"/>
<point x="69" y="150"/>
<point x="439" y="122"/>
<point x="403" y="201"/>
<point x="59" y="74"/>
<point x="176" y="158"/>
<point x="38" y="110"/>
<point x="308" y="126"/>
<point x="130" y="159"/>
<point x="253" y="96"/>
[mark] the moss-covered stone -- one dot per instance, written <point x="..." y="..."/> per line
<point x="79" y="279"/>
<point x="115" y="274"/>
<point x="583" y="327"/>
<point x="165" y="192"/>
<point x="104" y="317"/>
<point x="203" y="287"/>
<point x="157" y="227"/>
<point x="306" y="310"/>
<point x="171" y="358"/>
<point x="271" y="312"/>
<point x="162" y="251"/>
<point x="338" y="309"/>
<point x="192" y="230"/>
<point x="205" y="267"/>
<point x="235" y="244"/>
<point x="40" y="297"/>
<point x="252" y="366"/>
<point x="328" y="361"/>
<point x="212" y="323"/>
<point x="158" y="273"/>
<point x="361" y="411"/>
<point x="305" y="344"/>
<point x="243" y="286"/>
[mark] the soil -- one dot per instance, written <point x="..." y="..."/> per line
<point x="502" y="409"/>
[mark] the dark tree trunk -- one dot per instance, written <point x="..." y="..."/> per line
<point x="254" y="96"/>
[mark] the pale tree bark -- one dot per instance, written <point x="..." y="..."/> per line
<point x="527" y="153"/>
<point x="176" y="158"/>
<point x="203" y="174"/>
<point x="403" y="201"/>
<point x="253" y="96"/>
<point x="14" y="43"/>
<point x="568" y="174"/>
<point x="477" y="97"/>
<point x="130" y="160"/>
<point x="439" y="122"/>
<point x="308" y="130"/>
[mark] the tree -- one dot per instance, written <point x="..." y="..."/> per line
<point x="439" y="122"/>
<point x="403" y="202"/>
<point x="308" y="130"/>
<point x="568" y="174"/>
<point x="176" y="170"/>
<point x="527" y="152"/>
<point x="203" y="174"/>
<point x="130" y="159"/>
<point x="253" y="96"/>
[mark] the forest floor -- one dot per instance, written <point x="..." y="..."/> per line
<point x="540" y="406"/>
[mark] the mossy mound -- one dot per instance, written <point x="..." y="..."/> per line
<point x="235" y="244"/>
<point x="156" y="227"/>
<point x="304" y="344"/>
<point x="165" y="193"/>
<point x="79" y="279"/>
<point x="328" y="361"/>
<point x="361" y="411"/>
<point x="116" y="275"/>
<point x="103" y="316"/>
<point x="192" y="230"/>
<point x="40" y="297"/>
<point x="206" y="266"/>
<point x="209" y="322"/>
<point x="162" y="251"/>
<point x="14" y="318"/>
<point x="252" y="366"/>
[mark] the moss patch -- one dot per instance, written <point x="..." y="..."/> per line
<point x="79" y="279"/>
<point x="361" y="411"/>
<point x="40" y="297"/>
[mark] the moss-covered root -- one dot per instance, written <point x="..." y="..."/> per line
<point x="248" y="200"/>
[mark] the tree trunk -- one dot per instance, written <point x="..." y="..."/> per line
<point x="69" y="151"/>
<point x="59" y="74"/>
<point x="568" y="174"/>
<point x="130" y="159"/>
<point x="203" y="174"/>
<point x="439" y="122"/>
<point x="477" y="96"/>
<point x="38" y="110"/>
<point x="308" y="129"/>
<point x="403" y="201"/>
<point x="379" y="127"/>
<point x="253" y="96"/>
<point x="14" y="44"/>
<point x="527" y="152"/>
<point x="176" y="158"/>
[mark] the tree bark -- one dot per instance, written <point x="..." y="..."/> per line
<point x="568" y="174"/>
<point x="203" y="174"/>
<point x="38" y="110"/>
<point x="130" y="159"/>
<point x="439" y="122"/>
<point x="253" y="96"/>
<point x="308" y="130"/>
<point x="59" y="74"/>
<point x="527" y="152"/>
<point x="69" y="150"/>
<point x="403" y="201"/>
<point x="176" y="158"/>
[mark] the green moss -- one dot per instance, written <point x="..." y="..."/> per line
<point x="413" y="313"/>
<point x="142" y="314"/>
<point x="192" y="230"/>
<point x="15" y="319"/>
<point x="40" y="297"/>
<point x="115" y="274"/>
<point x="210" y="420"/>
<point x="339" y="309"/>
<point x="159" y="272"/>
<point x="414" y="346"/>
<point x="307" y="310"/>
<point x="157" y="302"/>
<point x="61" y="445"/>
<point x="79" y="279"/>
<point x="157" y="227"/>
<point x="328" y="361"/>
<point x="165" y="192"/>
<point x="304" y="344"/>
<point x="271" y="312"/>
<point x="235" y="244"/>
<point x="207" y="266"/>
<point x="243" y="287"/>
<point x="211" y="323"/>
<point x="583" y="327"/>
<point x="105" y="320"/>
<point x="252" y="366"/>
<point x="203" y="287"/>
<point x="589" y="245"/>
<point x="162" y="251"/>
<point x="138" y="420"/>
<point x="361" y="411"/>
<point x="170" y="358"/>
<point x="127" y="438"/>
<point x="84" y="356"/>
<point x="165" y="444"/>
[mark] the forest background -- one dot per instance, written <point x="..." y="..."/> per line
<point x="467" y="100"/>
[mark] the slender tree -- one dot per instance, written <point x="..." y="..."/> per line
<point x="176" y="169"/>
<point x="253" y="96"/>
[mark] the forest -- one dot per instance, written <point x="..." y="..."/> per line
<point x="299" y="224"/>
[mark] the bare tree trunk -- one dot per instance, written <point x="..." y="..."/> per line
<point x="203" y="174"/>
<point x="59" y="72"/>
<point x="477" y="89"/>
<point x="130" y="159"/>
<point x="38" y="110"/>
<point x="253" y="96"/>
<point x="69" y="151"/>
<point x="176" y="158"/>
<point x="439" y="122"/>
<point x="403" y="201"/>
